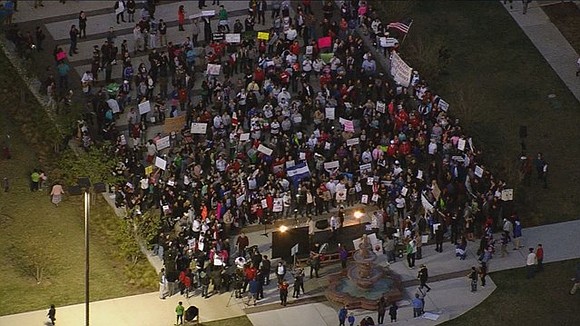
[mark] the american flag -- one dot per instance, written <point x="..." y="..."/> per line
<point x="402" y="26"/>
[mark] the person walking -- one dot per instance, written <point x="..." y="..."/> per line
<point x="253" y="291"/>
<point x="265" y="270"/>
<point x="283" y="289"/>
<point x="517" y="233"/>
<point x="350" y="319"/>
<point x="531" y="262"/>
<point x="342" y="314"/>
<point x="82" y="24"/>
<point x="120" y="10"/>
<point x="393" y="312"/>
<point x="423" y="276"/>
<point x="181" y="17"/>
<point x="131" y="8"/>
<point x="314" y="263"/>
<point x="482" y="273"/>
<point x="417" y="306"/>
<point x="411" y="251"/>
<point x="56" y="193"/>
<point x="74" y="34"/>
<point x="280" y="271"/>
<point x="298" y="283"/>
<point x="343" y="255"/>
<point x="473" y="277"/>
<point x="52" y="314"/>
<point x="540" y="257"/>
<point x="179" y="310"/>
<point x="381" y="309"/>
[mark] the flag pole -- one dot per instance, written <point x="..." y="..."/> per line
<point x="404" y="37"/>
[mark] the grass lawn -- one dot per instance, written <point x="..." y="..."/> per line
<point x="237" y="321"/>
<point x="566" y="17"/>
<point x="33" y="233"/>
<point x="495" y="82"/>
<point x="543" y="300"/>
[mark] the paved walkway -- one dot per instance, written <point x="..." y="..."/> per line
<point x="549" y="41"/>
<point x="450" y="296"/>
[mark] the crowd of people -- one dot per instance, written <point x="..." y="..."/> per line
<point x="293" y="126"/>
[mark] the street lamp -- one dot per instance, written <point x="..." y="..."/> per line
<point x="358" y="215"/>
<point x="84" y="187"/>
<point x="283" y="228"/>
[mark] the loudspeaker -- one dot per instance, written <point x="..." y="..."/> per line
<point x="523" y="131"/>
<point x="75" y="190"/>
<point x="321" y="224"/>
<point x="99" y="187"/>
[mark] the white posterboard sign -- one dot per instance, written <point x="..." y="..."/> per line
<point x="240" y="200"/>
<point x="302" y="156"/>
<point x="160" y="163"/>
<point x="114" y="105"/>
<point x="352" y="141"/>
<point x="329" y="113"/>
<point x="208" y="13"/>
<point x="144" y="107"/>
<point x="478" y="171"/>
<point x="264" y="203"/>
<point x="444" y="106"/>
<point x="420" y="175"/>
<point x="370" y="181"/>
<point x="507" y="194"/>
<point x="265" y="150"/>
<point x="294" y="250"/>
<point x="461" y="144"/>
<point x="365" y="167"/>
<point x="198" y="128"/>
<point x="381" y="106"/>
<point x="162" y="143"/>
<point x="400" y="70"/>
<point x="341" y="195"/>
<point x="290" y="164"/>
<point x="331" y="166"/>
<point x="213" y="69"/>
<point x="278" y="205"/>
<point x="327" y="145"/>
<point x="364" y="199"/>
<point x="233" y="38"/>
<point x="375" y="198"/>
<point x="404" y="191"/>
<point x="245" y="136"/>
<point x="309" y="49"/>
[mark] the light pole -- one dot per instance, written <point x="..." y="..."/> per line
<point x="84" y="187"/>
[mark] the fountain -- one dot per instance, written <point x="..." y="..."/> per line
<point x="364" y="282"/>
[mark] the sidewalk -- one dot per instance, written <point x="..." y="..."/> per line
<point x="549" y="41"/>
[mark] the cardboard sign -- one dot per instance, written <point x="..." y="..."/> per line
<point x="444" y="106"/>
<point x="264" y="203"/>
<point x="352" y="141"/>
<point x="233" y="37"/>
<point x="218" y="36"/>
<point x="381" y="106"/>
<point x="347" y="124"/>
<point x="364" y="199"/>
<point x="245" y="136"/>
<point x="265" y="150"/>
<point x="160" y="163"/>
<point x="404" y="191"/>
<point x="213" y="69"/>
<point x="370" y="181"/>
<point x="507" y="195"/>
<point x="199" y="128"/>
<point x="302" y="156"/>
<point x="365" y="167"/>
<point x="309" y="50"/>
<point x="478" y="171"/>
<point x="263" y="36"/>
<point x="149" y="169"/>
<point x="290" y="164"/>
<point x="331" y="166"/>
<point x="207" y="13"/>
<point x="278" y="205"/>
<point x="375" y="198"/>
<point x="419" y="175"/>
<point x="240" y="200"/>
<point x="341" y="195"/>
<point x="400" y="70"/>
<point x="294" y="250"/>
<point x="329" y="113"/>
<point x="144" y="107"/>
<point x="461" y="144"/>
<point x="162" y="143"/>
<point x="174" y="124"/>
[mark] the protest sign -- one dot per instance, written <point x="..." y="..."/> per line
<point x="331" y="166"/>
<point x="245" y="136"/>
<point x="144" y="107"/>
<point x="352" y="141"/>
<point x="208" y="13"/>
<point x="218" y="36"/>
<point x="149" y="169"/>
<point x="278" y="205"/>
<point x="233" y="37"/>
<point x="213" y="69"/>
<point x="461" y="144"/>
<point x="444" y="106"/>
<point x="174" y="124"/>
<point x="364" y="199"/>
<point x="324" y="42"/>
<point x="162" y="143"/>
<point x="365" y="167"/>
<point x="265" y="150"/>
<point x="400" y="70"/>
<point x="507" y="194"/>
<point x="263" y="36"/>
<point x="381" y="106"/>
<point x="330" y="113"/>
<point x="240" y="200"/>
<point x="478" y="171"/>
<point x="199" y="128"/>
<point x="160" y="163"/>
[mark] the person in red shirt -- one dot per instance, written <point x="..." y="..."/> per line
<point x="181" y="17"/>
<point x="540" y="257"/>
<point x="295" y="48"/>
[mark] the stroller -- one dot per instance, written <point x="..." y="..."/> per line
<point x="192" y="313"/>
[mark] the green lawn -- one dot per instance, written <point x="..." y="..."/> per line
<point x="237" y="321"/>
<point x="543" y="300"/>
<point x="496" y="81"/>
<point x="33" y="233"/>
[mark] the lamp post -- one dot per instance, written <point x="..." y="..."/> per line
<point x="84" y="187"/>
<point x="358" y="215"/>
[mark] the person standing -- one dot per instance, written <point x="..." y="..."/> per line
<point x="411" y="251"/>
<point x="56" y="193"/>
<point x="131" y="7"/>
<point x="381" y="309"/>
<point x="265" y="269"/>
<point x="52" y="314"/>
<point x="82" y="24"/>
<point x="283" y="288"/>
<point x="314" y="263"/>
<point x="423" y="276"/>
<point x="342" y="314"/>
<point x="40" y="36"/>
<point x="439" y="239"/>
<point x="242" y="243"/>
<point x="483" y="273"/>
<point x="417" y="306"/>
<point x="525" y="4"/>
<point x="531" y="263"/>
<point x="261" y="7"/>
<point x="181" y="17"/>
<point x="393" y="312"/>
<point x="74" y="34"/>
<point x="34" y="180"/>
<point x="298" y="283"/>
<point x="179" y="310"/>
<point x="517" y="233"/>
<point x="343" y="255"/>
<point x="350" y="319"/>
<point x="253" y="289"/>
<point x="162" y="284"/>
<point x="473" y="277"/>
<point x="540" y="257"/>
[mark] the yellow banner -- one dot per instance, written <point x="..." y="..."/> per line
<point x="263" y="36"/>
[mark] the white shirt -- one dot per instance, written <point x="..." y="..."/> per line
<point x="531" y="260"/>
